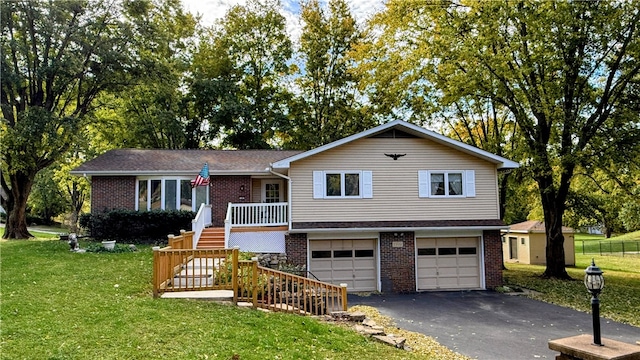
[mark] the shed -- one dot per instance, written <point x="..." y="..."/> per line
<point x="526" y="242"/>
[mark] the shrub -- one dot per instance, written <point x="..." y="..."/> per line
<point x="137" y="227"/>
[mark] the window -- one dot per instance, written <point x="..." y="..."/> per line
<point x="342" y="184"/>
<point x="169" y="194"/>
<point x="321" y="254"/>
<point x="446" y="183"/>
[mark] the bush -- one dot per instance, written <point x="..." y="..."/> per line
<point x="137" y="227"/>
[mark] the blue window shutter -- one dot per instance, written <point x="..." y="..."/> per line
<point x="318" y="185"/>
<point x="423" y="183"/>
<point x="367" y="184"/>
<point x="470" y="183"/>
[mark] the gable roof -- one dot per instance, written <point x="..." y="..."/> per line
<point x="533" y="226"/>
<point x="410" y="129"/>
<point x="181" y="162"/>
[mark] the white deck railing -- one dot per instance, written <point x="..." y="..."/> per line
<point x="258" y="214"/>
<point x="202" y="220"/>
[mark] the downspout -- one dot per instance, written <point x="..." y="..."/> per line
<point x="288" y="193"/>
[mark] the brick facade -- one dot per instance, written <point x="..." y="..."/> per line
<point x="492" y="258"/>
<point x="296" y="248"/>
<point x="113" y="192"/>
<point x="226" y="189"/>
<point x="397" y="263"/>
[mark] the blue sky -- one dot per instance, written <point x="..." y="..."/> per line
<point x="215" y="9"/>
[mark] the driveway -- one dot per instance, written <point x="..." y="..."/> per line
<point x="489" y="325"/>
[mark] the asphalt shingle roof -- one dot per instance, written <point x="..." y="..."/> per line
<point x="534" y="226"/>
<point x="136" y="161"/>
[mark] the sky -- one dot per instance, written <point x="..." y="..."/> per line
<point x="210" y="10"/>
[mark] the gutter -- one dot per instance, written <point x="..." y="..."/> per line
<point x="289" y="181"/>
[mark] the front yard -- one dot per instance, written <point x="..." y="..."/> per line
<point x="618" y="301"/>
<point x="62" y="305"/>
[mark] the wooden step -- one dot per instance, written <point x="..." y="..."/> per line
<point x="211" y="238"/>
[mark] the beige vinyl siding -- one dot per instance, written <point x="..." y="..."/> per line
<point x="395" y="183"/>
<point x="256" y="190"/>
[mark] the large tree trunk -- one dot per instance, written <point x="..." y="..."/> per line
<point x="16" y="227"/>
<point x="553" y="207"/>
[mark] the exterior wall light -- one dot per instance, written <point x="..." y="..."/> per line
<point x="594" y="281"/>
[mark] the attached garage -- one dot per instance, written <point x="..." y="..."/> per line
<point x="352" y="262"/>
<point x="448" y="263"/>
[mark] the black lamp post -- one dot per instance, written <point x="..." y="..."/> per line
<point x="594" y="281"/>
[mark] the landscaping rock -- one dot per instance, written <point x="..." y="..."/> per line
<point x="356" y="316"/>
<point x="391" y="340"/>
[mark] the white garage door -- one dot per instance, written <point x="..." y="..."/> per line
<point x="351" y="262"/>
<point x="448" y="263"/>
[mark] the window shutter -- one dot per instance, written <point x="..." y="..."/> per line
<point x="423" y="183"/>
<point x="367" y="184"/>
<point x="470" y="183"/>
<point x="318" y="185"/>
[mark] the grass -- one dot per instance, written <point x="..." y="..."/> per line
<point x="597" y="244"/>
<point x="62" y="305"/>
<point x="618" y="301"/>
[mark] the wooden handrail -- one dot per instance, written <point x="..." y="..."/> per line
<point x="188" y="269"/>
<point x="280" y="291"/>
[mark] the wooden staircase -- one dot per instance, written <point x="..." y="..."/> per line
<point x="212" y="238"/>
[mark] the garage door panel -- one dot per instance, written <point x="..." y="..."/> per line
<point x="469" y="262"/>
<point x="350" y="261"/>
<point x="448" y="263"/>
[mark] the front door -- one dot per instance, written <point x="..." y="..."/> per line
<point x="272" y="190"/>
<point x="513" y="248"/>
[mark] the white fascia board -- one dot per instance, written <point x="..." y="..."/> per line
<point x="502" y="163"/>
<point x="397" y="229"/>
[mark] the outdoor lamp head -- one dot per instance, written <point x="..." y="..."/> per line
<point x="593" y="280"/>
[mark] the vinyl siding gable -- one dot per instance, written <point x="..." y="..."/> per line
<point x="391" y="189"/>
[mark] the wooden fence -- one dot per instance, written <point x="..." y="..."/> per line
<point x="179" y="267"/>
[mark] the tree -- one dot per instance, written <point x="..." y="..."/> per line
<point x="155" y="110"/>
<point x="564" y="70"/>
<point x="46" y="199"/>
<point x="241" y="71"/>
<point x="57" y="58"/>
<point x="327" y="108"/>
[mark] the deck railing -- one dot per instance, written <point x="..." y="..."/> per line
<point x="280" y="291"/>
<point x="258" y="214"/>
<point x="179" y="267"/>
<point x="186" y="269"/>
<point x="201" y="221"/>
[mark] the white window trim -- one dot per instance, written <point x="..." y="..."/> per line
<point x="424" y="183"/>
<point x="365" y="184"/>
<point x="163" y="188"/>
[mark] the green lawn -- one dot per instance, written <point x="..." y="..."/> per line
<point x="62" y="305"/>
<point x="619" y="299"/>
<point x="597" y="244"/>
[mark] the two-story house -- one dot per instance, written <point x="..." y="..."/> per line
<point x="396" y="208"/>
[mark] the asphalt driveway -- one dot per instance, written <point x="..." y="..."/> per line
<point x="489" y="325"/>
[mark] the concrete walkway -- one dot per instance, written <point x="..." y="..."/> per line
<point x="489" y="325"/>
<point x="214" y="295"/>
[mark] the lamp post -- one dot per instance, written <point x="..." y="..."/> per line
<point x="594" y="281"/>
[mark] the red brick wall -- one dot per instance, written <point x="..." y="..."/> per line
<point x="492" y="258"/>
<point x="296" y="248"/>
<point x="226" y="189"/>
<point x="113" y="192"/>
<point x="397" y="264"/>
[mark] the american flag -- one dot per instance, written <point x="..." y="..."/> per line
<point x="203" y="178"/>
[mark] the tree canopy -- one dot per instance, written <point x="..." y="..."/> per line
<point x="565" y="71"/>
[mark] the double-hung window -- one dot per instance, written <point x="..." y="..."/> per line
<point x="342" y="184"/>
<point x="446" y="184"/>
